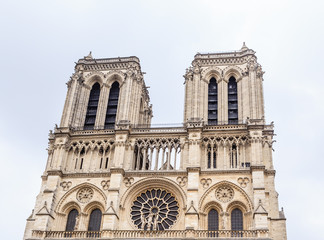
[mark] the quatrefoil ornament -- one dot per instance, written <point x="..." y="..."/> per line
<point x="243" y="181"/>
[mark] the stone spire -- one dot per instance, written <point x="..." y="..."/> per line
<point x="244" y="47"/>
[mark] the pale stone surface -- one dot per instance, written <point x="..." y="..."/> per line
<point x="118" y="164"/>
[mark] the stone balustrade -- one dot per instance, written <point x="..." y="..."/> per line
<point x="135" y="234"/>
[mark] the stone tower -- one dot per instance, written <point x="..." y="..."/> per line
<point x="110" y="175"/>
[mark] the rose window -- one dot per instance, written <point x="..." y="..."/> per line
<point x="224" y="193"/>
<point x="155" y="209"/>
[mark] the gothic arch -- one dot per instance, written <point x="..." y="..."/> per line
<point x="93" y="205"/>
<point x="233" y="71"/>
<point x="67" y="197"/>
<point x="212" y="205"/>
<point x="146" y="183"/>
<point x="210" y="72"/>
<point x="236" y="204"/>
<point x="69" y="206"/>
<point x="248" y="202"/>
<point x="94" y="77"/>
<point x="114" y="76"/>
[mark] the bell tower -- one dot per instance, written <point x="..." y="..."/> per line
<point x="224" y="88"/>
<point x="105" y="92"/>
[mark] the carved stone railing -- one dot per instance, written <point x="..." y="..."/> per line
<point x="135" y="234"/>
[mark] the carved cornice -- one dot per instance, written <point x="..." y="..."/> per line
<point x="54" y="173"/>
<point x="253" y="168"/>
<point x="108" y="63"/>
<point x="86" y="175"/>
<point x="236" y="171"/>
<point x="117" y="170"/>
<point x="153" y="173"/>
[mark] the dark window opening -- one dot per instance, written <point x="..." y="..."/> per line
<point x="71" y="221"/>
<point x="212" y="102"/>
<point x="76" y="163"/>
<point x="95" y="220"/>
<point x="237" y="220"/>
<point x="92" y="107"/>
<point x="213" y="223"/>
<point x="100" y="163"/>
<point x="81" y="163"/>
<point x="112" y="106"/>
<point x="232" y="101"/>
<point x="106" y="165"/>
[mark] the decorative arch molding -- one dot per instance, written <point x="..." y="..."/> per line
<point x="249" y="204"/>
<point x="210" y="72"/>
<point x="69" y="206"/>
<point x="237" y="204"/>
<point x="64" y="201"/>
<point x="114" y="76"/>
<point x="93" y="205"/>
<point x="212" y="205"/>
<point x="94" y="77"/>
<point x="147" y="183"/>
<point x="77" y="146"/>
<point x="233" y="71"/>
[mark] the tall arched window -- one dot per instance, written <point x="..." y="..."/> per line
<point x="212" y="102"/>
<point x="237" y="220"/>
<point x="95" y="220"/>
<point x="70" y="224"/>
<point x="232" y="101"/>
<point x="112" y="106"/>
<point x="213" y="220"/>
<point x="92" y="107"/>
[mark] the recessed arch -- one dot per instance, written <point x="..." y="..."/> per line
<point x="211" y="72"/>
<point x="232" y="71"/>
<point x="114" y="76"/>
<point x="94" y="77"/>
<point x="68" y="197"/>
<point x="247" y="202"/>
<point x="146" y="183"/>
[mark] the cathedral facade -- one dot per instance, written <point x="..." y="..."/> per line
<point x="111" y="175"/>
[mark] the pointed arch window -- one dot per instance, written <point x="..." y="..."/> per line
<point x="112" y="106"/>
<point x="237" y="220"/>
<point x="71" y="221"/>
<point x="213" y="220"/>
<point x="211" y="156"/>
<point x="212" y="102"/>
<point x="92" y="107"/>
<point x="95" y="220"/>
<point x="232" y="101"/>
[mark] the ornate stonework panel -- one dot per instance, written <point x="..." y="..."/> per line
<point x="105" y="184"/>
<point x="182" y="181"/>
<point x="243" y="181"/>
<point x="205" y="182"/>
<point x="128" y="181"/>
<point x="224" y="193"/>
<point x="154" y="209"/>
<point x="84" y="195"/>
<point x="65" y="185"/>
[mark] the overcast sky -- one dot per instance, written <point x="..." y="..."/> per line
<point x="41" y="40"/>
